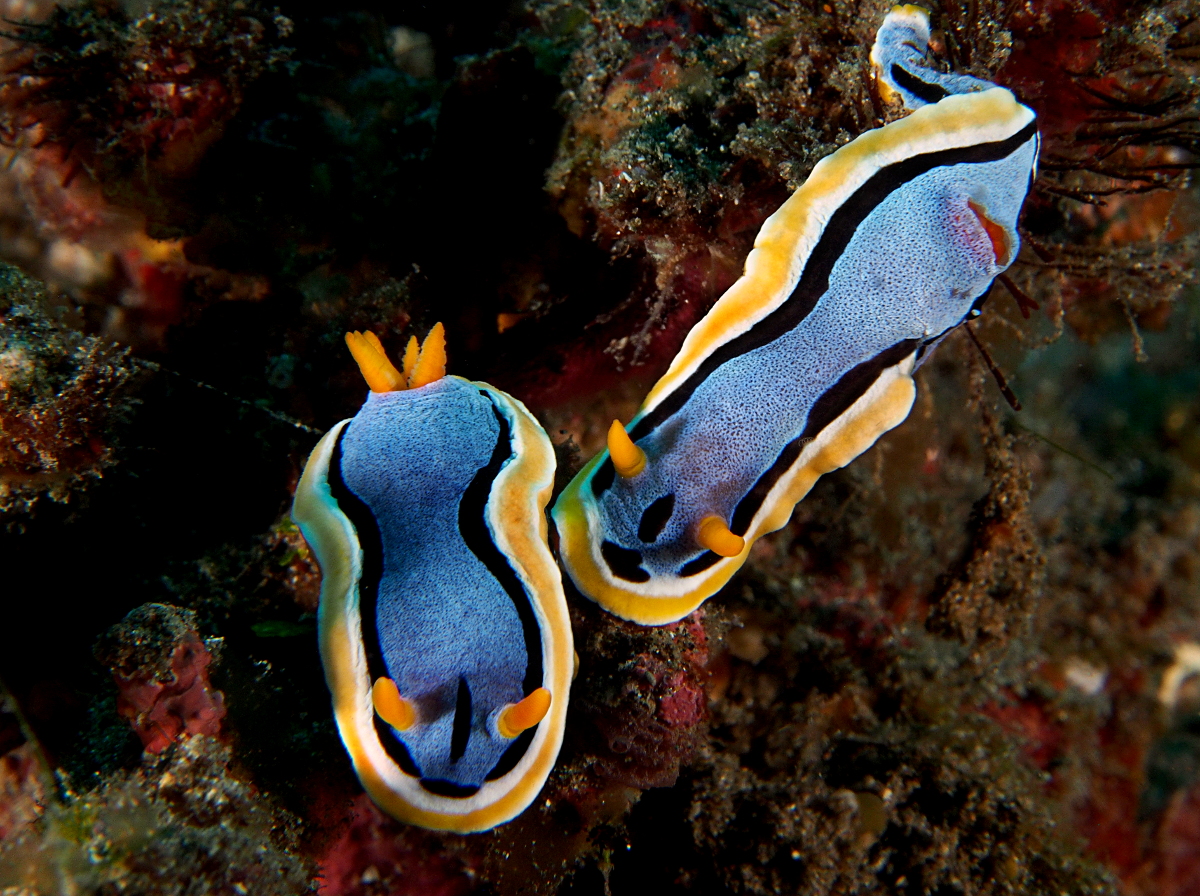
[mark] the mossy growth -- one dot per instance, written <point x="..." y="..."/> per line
<point x="63" y="399"/>
<point x="182" y="825"/>
<point x="136" y="100"/>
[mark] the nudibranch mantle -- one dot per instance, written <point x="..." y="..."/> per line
<point x="426" y="513"/>
<point x="808" y="358"/>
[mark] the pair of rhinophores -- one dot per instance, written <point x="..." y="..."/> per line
<point x="893" y="241"/>
<point x="442" y="623"/>
<point x="443" y="626"/>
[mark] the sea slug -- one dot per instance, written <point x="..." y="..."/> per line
<point x="891" y="243"/>
<point x="443" y="626"/>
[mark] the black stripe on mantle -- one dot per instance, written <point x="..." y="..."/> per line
<point x="836" y="400"/>
<point x="814" y="281"/>
<point x="472" y="505"/>
<point x="922" y="90"/>
<point x="832" y="404"/>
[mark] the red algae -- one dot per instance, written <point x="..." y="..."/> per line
<point x="63" y="399"/>
<point x="1031" y="722"/>
<point x="109" y="93"/>
<point x="645" y="699"/>
<point x="377" y="855"/>
<point x="160" y="666"/>
<point x="107" y="120"/>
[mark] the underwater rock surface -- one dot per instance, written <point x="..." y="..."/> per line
<point x="64" y="397"/>
<point x="160" y="667"/>
<point x="970" y="663"/>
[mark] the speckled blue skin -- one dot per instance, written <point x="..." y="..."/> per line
<point x="881" y="293"/>
<point x="900" y="43"/>
<point x="905" y="258"/>
<point x="440" y="614"/>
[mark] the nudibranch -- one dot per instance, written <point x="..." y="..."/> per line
<point x="808" y="358"/>
<point x="443" y="626"/>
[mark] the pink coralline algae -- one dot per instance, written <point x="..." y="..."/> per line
<point x="378" y="855"/>
<point x="655" y="716"/>
<point x="683" y="704"/>
<point x="160" y="666"/>
<point x="161" y="710"/>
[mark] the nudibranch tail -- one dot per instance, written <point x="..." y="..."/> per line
<point x="808" y="358"/>
<point x="443" y="626"/>
<point x="898" y="61"/>
<point x="430" y="365"/>
<point x="380" y="373"/>
<point x="518" y="717"/>
<point x="627" y="458"/>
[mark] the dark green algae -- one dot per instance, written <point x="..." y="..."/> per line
<point x="882" y="701"/>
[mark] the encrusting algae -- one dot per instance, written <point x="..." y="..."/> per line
<point x="63" y="399"/>
<point x="944" y="675"/>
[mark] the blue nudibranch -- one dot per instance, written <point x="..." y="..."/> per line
<point x="805" y="361"/>
<point x="443" y="626"/>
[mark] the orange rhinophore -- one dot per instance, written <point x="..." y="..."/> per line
<point x="443" y="626"/>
